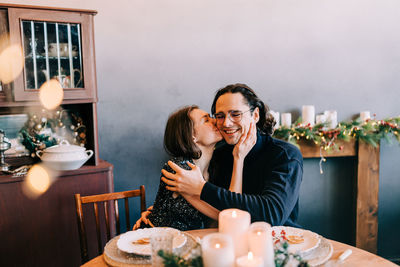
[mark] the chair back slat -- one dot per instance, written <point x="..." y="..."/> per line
<point x="81" y="228"/>
<point x="142" y="199"/>
<point x="108" y="207"/>
<point x="96" y="215"/>
<point x="106" y="219"/>
<point x="116" y="210"/>
<point x="127" y="217"/>
<point x="111" y="196"/>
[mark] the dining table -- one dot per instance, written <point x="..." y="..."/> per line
<point x="358" y="257"/>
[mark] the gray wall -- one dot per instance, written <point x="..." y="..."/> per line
<point x="154" y="56"/>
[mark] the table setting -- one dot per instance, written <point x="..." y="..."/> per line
<point x="238" y="242"/>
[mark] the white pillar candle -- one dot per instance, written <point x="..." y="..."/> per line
<point x="217" y="250"/>
<point x="276" y="117"/>
<point x="260" y="242"/>
<point x="249" y="261"/>
<point x="286" y="120"/>
<point x="320" y="119"/>
<point x="308" y="115"/>
<point x="331" y="118"/>
<point x="365" y="115"/>
<point x="235" y="222"/>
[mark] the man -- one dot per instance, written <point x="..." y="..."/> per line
<point x="272" y="170"/>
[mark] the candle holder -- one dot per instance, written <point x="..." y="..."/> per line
<point x="160" y="241"/>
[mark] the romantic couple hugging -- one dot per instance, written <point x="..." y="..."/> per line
<point x="250" y="170"/>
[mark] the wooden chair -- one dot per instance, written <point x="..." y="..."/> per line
<point x="105" y="198"/>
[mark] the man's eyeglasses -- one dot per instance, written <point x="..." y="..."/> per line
<point x="233" y="115"/>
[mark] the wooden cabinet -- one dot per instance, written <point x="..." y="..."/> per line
<point x="44" y="231"/>
<point x="57" y="43"/>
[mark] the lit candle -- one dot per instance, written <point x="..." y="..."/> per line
<point x="260" y="242"/>
<point x="286" y="120"/>
<point x="217" y="250"/>
<point x="331" y="118"/>
<point x="276" y="117"/>
<point x="308" y="115"/>
<point x="365" y="115"/>
<point x="249" y="261"/>
<point x="235" y="222"/>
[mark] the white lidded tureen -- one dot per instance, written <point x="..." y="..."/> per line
<point x="64" y="156"/>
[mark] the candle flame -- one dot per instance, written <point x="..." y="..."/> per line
<point x="250" y="255"/>
<point x="258" y="233"/>
<point x="234" y="214"/>
<point x="218" y="245"/>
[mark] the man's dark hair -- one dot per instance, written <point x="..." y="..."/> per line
<point x="178" y="136"/>
<point x="266" y="122"/>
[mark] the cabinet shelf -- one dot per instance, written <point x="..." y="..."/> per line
<point x="52" y="57"/>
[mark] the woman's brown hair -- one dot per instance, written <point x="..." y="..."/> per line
<point x="178" y="136"/>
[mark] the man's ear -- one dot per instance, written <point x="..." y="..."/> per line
<point x="256" y="114"/>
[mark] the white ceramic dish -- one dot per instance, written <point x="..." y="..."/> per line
<point x="126" y="241"/>
<point x="65" y="165"/>
<point x="64" y="156"/>
<point x="310" y="243"/>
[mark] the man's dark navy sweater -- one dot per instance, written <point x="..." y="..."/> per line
<point x="272" y="175"/>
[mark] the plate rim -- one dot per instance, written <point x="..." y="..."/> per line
<point x="151" y="229"/>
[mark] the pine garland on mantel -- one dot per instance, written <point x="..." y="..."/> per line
<point x="370" y="131"/>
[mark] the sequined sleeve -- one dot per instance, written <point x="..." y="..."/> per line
<point x="172" y="210"/>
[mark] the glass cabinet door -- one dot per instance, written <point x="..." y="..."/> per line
<point x="56" y="45"/>
<point x="52" y="51"/>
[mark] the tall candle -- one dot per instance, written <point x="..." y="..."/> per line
<point x="308" y="115"/>
<point x="249" y="261"/>
<point x="217" y="250"/>
<point x="260" y="242"/>
<point x="331" y="118"/>
<point x="275" y="114"/>
<point x="235" y="222"/>
<point x="365" y="115"/>
<point x="286" y="120"/>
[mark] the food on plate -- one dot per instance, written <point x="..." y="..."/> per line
<point x="294" y="239"/>
<point x="142" y="241"/>
<point x="282" y="236"/>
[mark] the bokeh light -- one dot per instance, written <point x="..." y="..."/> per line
<point x="11" y="62"/>
<point x="51" y="94"/>
<point x="38" y="181"/>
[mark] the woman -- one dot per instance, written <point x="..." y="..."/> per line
<point x="190" y="138"/>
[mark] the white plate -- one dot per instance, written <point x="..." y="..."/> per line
<point x="321" y="254"/>
<point x="311" y="239"/>
<point x="125" y="241"/>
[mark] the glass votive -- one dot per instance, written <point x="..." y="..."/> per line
<point x="160" y="241"/>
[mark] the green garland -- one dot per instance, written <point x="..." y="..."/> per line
<point x="371" y="131"/>
<point x="35" y="134"/>
<point x="281" y="258"/>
